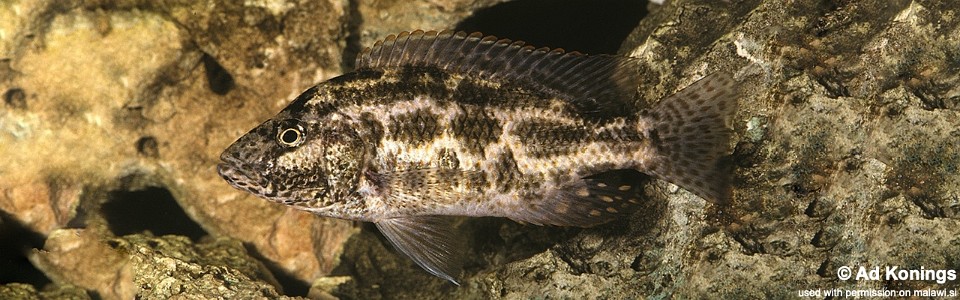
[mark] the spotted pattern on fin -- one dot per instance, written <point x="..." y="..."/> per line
<point x="691" y="135"/>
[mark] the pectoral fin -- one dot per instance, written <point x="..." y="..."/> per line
<point x="427" y="240"/>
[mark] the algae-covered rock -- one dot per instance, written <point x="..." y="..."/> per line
<point x="26" y="291"/>
<point x="148" y="267"/>
<point x="18" y="291"/>
<point x="98" y="93"/>
<point x="170" y="267"/>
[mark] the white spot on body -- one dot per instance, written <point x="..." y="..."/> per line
<point x="583" y="192"/>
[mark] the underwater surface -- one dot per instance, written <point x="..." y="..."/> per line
<point x="114" y="115"/>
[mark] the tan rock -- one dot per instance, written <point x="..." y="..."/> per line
<point x="81" y="258"/>
<point x="97" y="83"/>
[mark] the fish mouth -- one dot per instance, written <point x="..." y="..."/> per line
<point x="239" y="175"/>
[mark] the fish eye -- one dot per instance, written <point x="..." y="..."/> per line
<point x="290" y="133"/>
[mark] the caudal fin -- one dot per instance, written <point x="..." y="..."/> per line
<point x="690" y="134"/>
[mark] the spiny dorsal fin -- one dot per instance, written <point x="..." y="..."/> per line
<point x="598" y="85"/>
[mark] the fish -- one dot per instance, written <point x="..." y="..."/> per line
<point x="432" y="126"/>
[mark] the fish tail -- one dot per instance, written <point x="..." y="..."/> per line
<point x="690" y="137"/>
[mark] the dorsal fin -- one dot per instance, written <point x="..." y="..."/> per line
<point x="598" y="85"/>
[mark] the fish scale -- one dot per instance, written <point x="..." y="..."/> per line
<point x="440" y="124"/>
<point x="472" y="131"/>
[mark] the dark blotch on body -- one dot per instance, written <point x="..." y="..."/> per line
<point x="371" y="129"/>
<point x="373" y="86"/>
<point x="447" y="159"/>
<point x="476" y="93"/>
<point x="300" y="103"/>
<point x="425" y="75"/>
<point x="920" y="174"/>
<point x="476" y="130"/>
<point x="549" y="139"/>
<point x="507" y="173"/>
<point x="472" y="91"/>
<point x="416" y="128"/>
<point x="620" y="135"/>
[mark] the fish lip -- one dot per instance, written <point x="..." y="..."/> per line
<point x="227" y="159"/>
<point x="227" y="165"/>
<point x="226" y="170"/>
<point x="244" y="177"/>
<point x="234" y="171"/>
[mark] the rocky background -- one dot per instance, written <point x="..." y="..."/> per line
<point x="114" y="114"/>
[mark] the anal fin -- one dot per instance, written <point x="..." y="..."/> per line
<point x="590" y="201"/>
<point x="429" y="241"/>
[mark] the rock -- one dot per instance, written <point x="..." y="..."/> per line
<point x="154" y="267"/>
<point x="79" y="257"/>
<point x="26" y="291"/>
<point x="18" y="291"/>
<point x="169" y="267"/>
<point x="324" y="287"/>
<point x="155" y="91"/>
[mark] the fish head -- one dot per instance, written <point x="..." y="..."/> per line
<point x="298" y="159"/>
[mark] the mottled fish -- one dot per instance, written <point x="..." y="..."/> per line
<point x="449" y="124"/>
